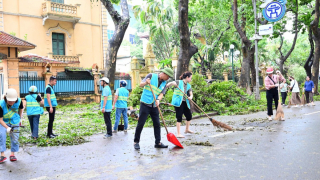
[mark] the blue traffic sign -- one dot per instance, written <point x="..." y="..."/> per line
<point x="274" y="11"/>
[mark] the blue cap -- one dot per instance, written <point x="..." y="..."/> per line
<point x="123" y="83"/>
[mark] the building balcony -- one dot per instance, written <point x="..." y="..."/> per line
<point x="60" y="12"/>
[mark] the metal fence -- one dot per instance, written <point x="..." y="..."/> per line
<point x="25" y="82"/>
<point x="67" y="86"/>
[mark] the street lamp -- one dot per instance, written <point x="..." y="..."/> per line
<point x="226" y="53"/>
<point x="232" y="48"/>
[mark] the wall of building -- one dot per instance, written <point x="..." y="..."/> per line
<point x="25" y="20"/>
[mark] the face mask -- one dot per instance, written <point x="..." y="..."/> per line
<point x="290" y="79"/>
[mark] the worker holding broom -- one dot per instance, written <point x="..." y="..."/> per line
<point x="148" y="106"/>
<point x="181" y="103"/>
<point x="271" y="83"/>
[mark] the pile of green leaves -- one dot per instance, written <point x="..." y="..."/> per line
<point x="223" y="97"/>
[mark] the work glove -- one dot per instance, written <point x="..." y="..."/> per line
<point x="8" y="130"/>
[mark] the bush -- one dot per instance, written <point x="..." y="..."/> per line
<point x="223" y="97"/>
<point x="134" y="98"/>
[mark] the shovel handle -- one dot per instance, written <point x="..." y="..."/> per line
<point x="159" y="110"/>
<point x="194" y="103"/>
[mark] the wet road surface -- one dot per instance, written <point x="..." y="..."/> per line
<point x="257" y="149"/>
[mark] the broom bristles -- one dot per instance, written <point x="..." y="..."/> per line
<point x="220" y="124"/>
<point x="303" y="99"/>
<point x="279" y="113"/>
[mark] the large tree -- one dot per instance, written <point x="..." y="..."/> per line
<point x="247" y="48"/>
<point x="316" y="37"/>
<point x="121" y="23"/>
<point x="187" y="49"/>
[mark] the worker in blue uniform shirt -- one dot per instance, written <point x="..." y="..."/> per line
<point x="11" y="108"/>
<point x="106" y="105"/>
<point x="121" y="105"/>
<point x="148" y="106"/>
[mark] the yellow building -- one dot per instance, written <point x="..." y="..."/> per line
<point x="65" y="30"/>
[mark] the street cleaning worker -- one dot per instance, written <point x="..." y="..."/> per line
<point x="294" y="87"/>
<point x="11" y="108"/>
<point x="120" y="102"/>
<point x="106" y="105"/>
<point x="149" y="107"/>
<point x="309" y="89"/>
<point x="34" y="110"/>
<point x="271" y="82"/>
<point x="51" y="104"/>
<point x="180" y="103"/>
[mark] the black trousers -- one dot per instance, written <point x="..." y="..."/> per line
<point x="284" y="97"/>
<point x="145" y="111"/>
<point x="183" y="109"/>
<point x="272" y="94"/>
<point x="107" y="121"/>
<point x="51" y="119"/>
<point x="309" y="96"/>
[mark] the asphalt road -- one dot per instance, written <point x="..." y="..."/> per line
<point x="257" y="149"/>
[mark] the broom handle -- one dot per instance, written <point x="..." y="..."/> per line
<point x="159" y="109"/>
<point x="193" y="103"/>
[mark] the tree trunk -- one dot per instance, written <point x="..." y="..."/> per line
<point x="187" y="49"/>
<point x="244" y="81"/>
<point x="121" y="23"/>
<point x="315" y="67"/>
<point x="316" y="32"/>
<point x="307" y="66"/>
<point x="183" y="62"/>
<point x="252" y="68"/>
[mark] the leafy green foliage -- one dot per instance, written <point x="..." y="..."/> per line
<point x="298" y="73"/>
<point x="135" y="96"/>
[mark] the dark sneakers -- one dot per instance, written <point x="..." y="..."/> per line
<point x="136" y="146"/>
<point x="2" y="159"/>
<point x="160" y="146"/>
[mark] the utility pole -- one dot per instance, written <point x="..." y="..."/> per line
<point x="257" y="95"/>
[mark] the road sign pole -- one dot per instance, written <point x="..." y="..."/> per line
<point x="257" y="95"/>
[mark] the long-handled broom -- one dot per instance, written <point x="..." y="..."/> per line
<point x="279" y="113"/>
<point x="290" y="99"/>
<point x="303" y="99"/>
<point x="170" y="136"/>
<point x="214" y="122"/>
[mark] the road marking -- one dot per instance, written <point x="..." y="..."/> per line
<point x="229" y="132"/>
<point x="312" y="113"/>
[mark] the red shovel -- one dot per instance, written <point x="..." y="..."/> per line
<point x="170" y="136"/>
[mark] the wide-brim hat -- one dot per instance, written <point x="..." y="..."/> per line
<point x="167" y="71"/>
